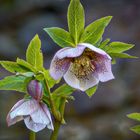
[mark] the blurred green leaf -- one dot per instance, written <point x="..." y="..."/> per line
<point x="136" y="129"/>
<point x="119" y="47"/>
<point x="113" y="61"/>
<point x="13" y="67"/>
<point x="93" y="32"/>
<point x="26" y="74"/>
<point x="76" y="19"/>
<point x="64" y="90"/>
<point x="91" y="91"/>
<point x="121" y="55"/>
<point x="99" y="42"/>
<point x="51" y="81"/>
<point x="16" y="83"/>
<point x="34" y="55"/>
<point x="25" y="64"/>
<point x="39" y="77"/>
<point x="60" y="36"/>
<point x="134" y="116"/>
<point x="104" y="44"/>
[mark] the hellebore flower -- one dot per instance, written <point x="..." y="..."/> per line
<point x="35" y="115"/>
<point x="82" y="67"/>
<point x="34" y="89"/>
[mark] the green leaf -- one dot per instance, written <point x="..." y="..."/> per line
<point x="119" y="47"/>
<point x="98" y="43"/>
<point x="25" y="64"/>
<point x="26" y="74"/>
<point x="64" y="90"/>
<point x="91" y="91"/>
<point x="113" y="61"/>
<point x="16" y="83"/>
<point x="121" y="55"/>
<point x="104" y="44"/>
<point x="13" y="67"/>
<point x="51" y="81"/>
<point x="34" y="55"/>
<point x="76" y="19"/>
<point x="136" y="129"/>
<point x="60" y="36"/>
<point x="134" y="116"/>
<point x="93" y="32"/>
<point x="39" y="77"/>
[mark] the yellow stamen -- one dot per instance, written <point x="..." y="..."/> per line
<point x="82" y="66"/>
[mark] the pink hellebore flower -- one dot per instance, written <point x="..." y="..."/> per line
<point x="82" y="67"/>
<point x="35" y="115"/>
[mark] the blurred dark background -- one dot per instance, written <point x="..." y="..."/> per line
<point x="103" y="117"/>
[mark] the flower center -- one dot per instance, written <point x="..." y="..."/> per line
<point x="82" y="66"/>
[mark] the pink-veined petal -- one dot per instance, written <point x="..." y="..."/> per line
<point x="81" y="84"/>
<point x="30" y="124"/>
<point x="26" y="108"/>
<point x="95" y="49"/>
<point x="14" y="120"/>
<point x="70" y="52"/>
<point x="61" y="61"/>
<point x="59" y="67"/>
<point x="11" y="121"/>
<point x="39" y="116"/>
<point x="106" y="74"/>
<point x="47" y="112"/>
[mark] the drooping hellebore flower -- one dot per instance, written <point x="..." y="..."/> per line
<point x="35" y="115"/>
<point x="82" y="67"/>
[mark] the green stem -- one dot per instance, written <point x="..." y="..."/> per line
<point x="32" y="135"/>
<point x="62" y="109"/>
<point x="57" y="124"/>
<point x="53" y="107"/>
<point x="54" y="134"/>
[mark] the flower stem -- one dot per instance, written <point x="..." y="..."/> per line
<point x="54" y="134"/>
<point x="57" y="124"/>
<point x="53" y="107"/>
<point x="32" y="135"/>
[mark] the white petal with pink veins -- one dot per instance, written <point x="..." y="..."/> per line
<point x="59" y="67"/>
<point x="106" y="74"/>
<point x="11" y="121"/>
<point x="25" y="108"/>
<point x="46" y="110"/>
<point x="81" y="84"/>
<point x="70" y="52"/>
<point x="36" y="127"/>
<point x="39" y="116"/>
<point x="94" y="49"/>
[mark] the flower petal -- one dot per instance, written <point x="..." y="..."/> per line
<point x="46" y="110"/>
<point x="32" y="125"/>
<point x="11" y="121"/>
<point x="59" y="67"/>
<point x="26" y="108"/>
<point x="95" y="49"/>
<point x="81" y="84"/>
<point x="106" y="74"/>
<point x="70" y="52"/>
<point x="39" y="116"/>
<point x="103" y="68"/>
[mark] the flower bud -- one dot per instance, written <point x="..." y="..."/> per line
<point x="34" y="88"/>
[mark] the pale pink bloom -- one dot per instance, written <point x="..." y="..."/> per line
<point x="82" y="67"/>
<point x="35" y="115"/>
<point x="34" y="89"/>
